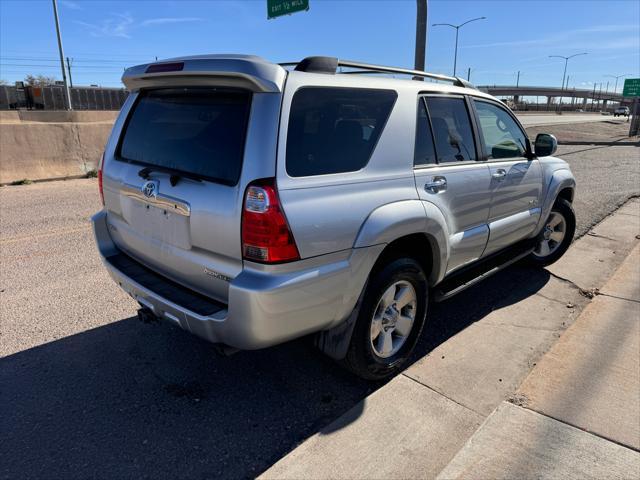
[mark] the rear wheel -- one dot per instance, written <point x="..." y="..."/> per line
<point x="390" y="320"/>
<point x="556" y="235"/>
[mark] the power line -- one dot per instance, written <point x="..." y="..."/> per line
<point x="76" y="59"/>
<point x="55" y="66"/>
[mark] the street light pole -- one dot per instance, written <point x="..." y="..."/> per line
<point x="518" y="80"/>
<point x="615" y="89"/>
<point x="457" y="27"/>
<point x="64" y="75"/>
<point x="564" y="74"/>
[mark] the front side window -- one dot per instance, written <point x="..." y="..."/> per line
<point x="451" y="129"/>
<point x="502" y="136"/>
<point x="199" y="131"/>
<point x="334" y="130"/>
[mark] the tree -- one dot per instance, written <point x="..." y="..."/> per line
<point x="39" y="80"/>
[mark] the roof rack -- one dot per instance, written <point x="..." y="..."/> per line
<point x="330" y="65"/>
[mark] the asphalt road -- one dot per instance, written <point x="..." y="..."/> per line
<point x="533" y="119"/>
<point x="86" y="391"/>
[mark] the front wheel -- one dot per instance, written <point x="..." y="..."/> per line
<point x="556" y="235"/>
<point x="390" y="320"/>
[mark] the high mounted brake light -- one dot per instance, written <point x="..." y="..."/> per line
<point x="165" y="67"/>
<point x="266" y="236"/>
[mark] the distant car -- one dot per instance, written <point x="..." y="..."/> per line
<point x="621" y="111"/>
<point x="250" y="204"/>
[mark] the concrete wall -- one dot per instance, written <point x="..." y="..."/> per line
<point x="39" y="151"/>
<point x="67" y="116"/>
<point x="9" y="115"/>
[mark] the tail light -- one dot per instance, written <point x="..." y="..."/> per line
<point x="100" y="179"/>
<point x="266" y="236"/>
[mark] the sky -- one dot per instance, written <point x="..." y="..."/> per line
<point x="103" y="37"/>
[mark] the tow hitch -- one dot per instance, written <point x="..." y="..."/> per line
<point x="145" y="315"/>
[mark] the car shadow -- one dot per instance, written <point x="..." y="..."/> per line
<point x="151" y="401"/>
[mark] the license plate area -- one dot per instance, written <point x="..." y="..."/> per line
<point x="161" y="223"/>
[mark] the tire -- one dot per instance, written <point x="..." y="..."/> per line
<point x="371" y="356"/>
<point x="551" y="245"/>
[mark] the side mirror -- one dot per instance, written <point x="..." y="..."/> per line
<point x="545" y="145"/>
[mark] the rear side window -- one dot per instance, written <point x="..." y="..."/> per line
<point x="425" y="153"/>
<point x="334" y="130"/>
<point x="197" y="131"/>
<point x="451" y="129"/>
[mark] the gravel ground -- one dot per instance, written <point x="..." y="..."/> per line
<point x="609" y="130"/>
<point x="88" y="391"/>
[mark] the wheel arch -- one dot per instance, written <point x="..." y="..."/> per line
<point x="410" y="226"/>
<point x="561" y="185"/>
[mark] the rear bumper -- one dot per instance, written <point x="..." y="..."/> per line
<point x="266" y="305"/>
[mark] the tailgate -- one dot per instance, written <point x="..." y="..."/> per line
<point x="174" y="179"/>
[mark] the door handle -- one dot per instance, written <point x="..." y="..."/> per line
<point x="499" y="174"/>
<point x="436" y="185"/>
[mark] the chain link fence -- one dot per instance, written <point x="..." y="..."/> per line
<point x="53" y="98"/>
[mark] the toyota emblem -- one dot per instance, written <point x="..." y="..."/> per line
<point x="150" y="189"/>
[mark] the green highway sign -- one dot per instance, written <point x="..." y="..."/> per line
<point x="278" y="8"/>
<point x="631" y="87"/>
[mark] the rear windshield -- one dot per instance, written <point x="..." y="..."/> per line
<point x="197" y="131"/>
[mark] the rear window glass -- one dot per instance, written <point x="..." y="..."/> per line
<point x="334" y="130"/>
<point x="451" y="129"/>
<point x="196" y="131"/>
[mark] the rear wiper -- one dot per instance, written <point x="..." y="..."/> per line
<point x="174" y="177"/>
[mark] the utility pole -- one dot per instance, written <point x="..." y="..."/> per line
<point x="469" y="74"/>
<point x="518" y="80"/>
<point x="421" y="36"/>
<point x="457" y="27"/>
<point x="64" y="74"/>
<point x="599" y="95"/>
<point x="69" y="70"/>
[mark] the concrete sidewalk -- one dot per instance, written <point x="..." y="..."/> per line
<point x="579" y="409"/>
<point x="414" y="426"/>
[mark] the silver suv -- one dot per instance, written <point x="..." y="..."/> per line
<point x="251" y="203"/>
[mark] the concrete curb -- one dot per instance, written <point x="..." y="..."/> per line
<point x="414" y="426"/>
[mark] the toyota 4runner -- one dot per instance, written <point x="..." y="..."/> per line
<point x="251" y="203"/>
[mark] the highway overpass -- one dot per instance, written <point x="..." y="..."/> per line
<point x="517" y="92"/>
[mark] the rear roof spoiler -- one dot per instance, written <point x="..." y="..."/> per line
<point x="245" y="71"/>
<point x="330" y="65"/>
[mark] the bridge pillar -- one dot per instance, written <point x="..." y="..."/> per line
<point x="516" y="99"/>
<point x="584" y="103"/>
<point x="549" y="101"/>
